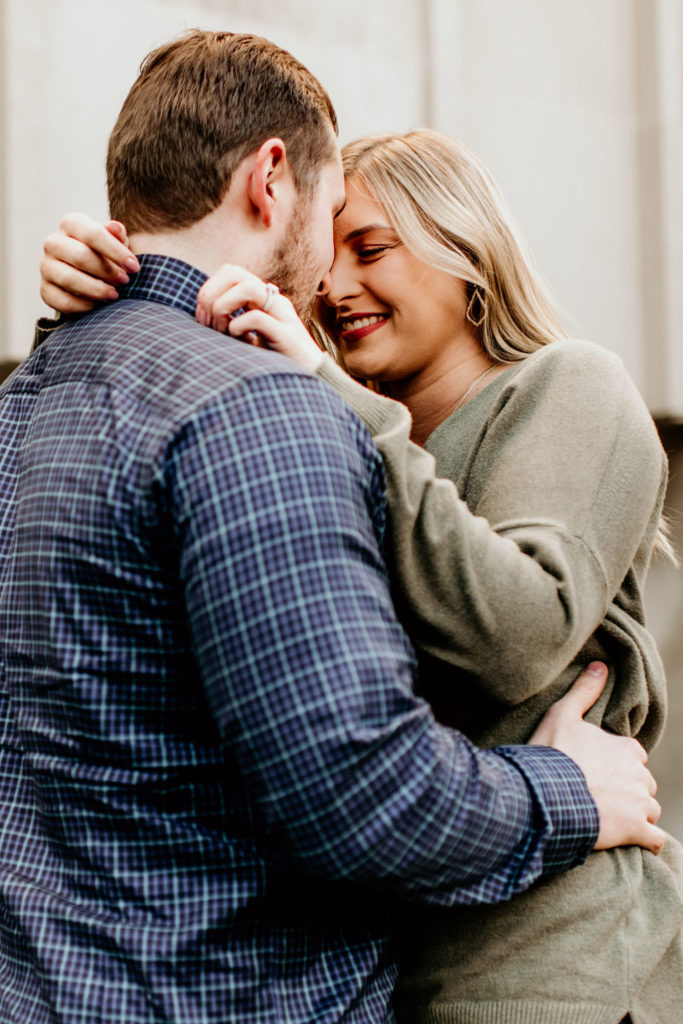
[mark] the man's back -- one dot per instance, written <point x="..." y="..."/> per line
<point x="153" y="886"/>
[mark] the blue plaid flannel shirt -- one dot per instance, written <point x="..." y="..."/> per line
<point x="215" y="779"/>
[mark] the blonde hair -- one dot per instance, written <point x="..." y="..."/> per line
<point x="448" y="212"/>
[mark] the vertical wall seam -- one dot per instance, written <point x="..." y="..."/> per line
<point x="425" y="15"/>
<point x="653" y="324"/>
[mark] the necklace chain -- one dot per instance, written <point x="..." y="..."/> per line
<point x="461" y="400"/>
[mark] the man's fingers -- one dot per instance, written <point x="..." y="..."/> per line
<point x="585" y="690"/>
<point x="654" y="812"/>
<point x="652" y="838"/>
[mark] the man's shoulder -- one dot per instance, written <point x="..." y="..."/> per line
<point x="158" y="355"/>
<point x="162" y="366"/>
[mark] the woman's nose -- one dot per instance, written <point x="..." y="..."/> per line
<point x="340" y="284"/>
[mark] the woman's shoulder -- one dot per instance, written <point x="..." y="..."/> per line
<point x="573" y="356"/>
<point x="579" y="388"/>
<point x="579" y="370"/>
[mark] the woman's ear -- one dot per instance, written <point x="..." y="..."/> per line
<point x="270" y="179"/>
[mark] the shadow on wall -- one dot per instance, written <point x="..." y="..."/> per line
<point x="6" y="368"/>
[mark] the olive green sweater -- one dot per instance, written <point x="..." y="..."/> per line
<point x="512" y="573"/>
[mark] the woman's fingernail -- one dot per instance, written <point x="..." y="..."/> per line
<point x="122" y="278"/>
<point x="596" y="668"/>
<point x="112" y="294"/>
<point x="132" y="264"/>
<point x="201" y="315"/>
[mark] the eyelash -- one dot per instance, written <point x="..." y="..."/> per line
<point x="370" y="252"/>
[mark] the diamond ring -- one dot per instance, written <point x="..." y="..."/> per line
<point x="271" y="291"/>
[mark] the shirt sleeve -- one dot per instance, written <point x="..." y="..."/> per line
<point x="562" y="491"/>
<point x="278" y="501"/>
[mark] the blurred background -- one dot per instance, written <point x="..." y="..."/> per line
<point x="575" y="105"/>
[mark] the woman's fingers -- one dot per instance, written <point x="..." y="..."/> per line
<point x="64" y="302"/>
<point x="82" y="262"/>
<point x="57" y="276"/>
<point x="238" y="298"/>
<point x="229" y="289"/>
<point x="99" y="239"/>
<point x="233" y="301"/>
<point x="233" y="290"/>
<point x="62" y="251"/>
<point x="286" y="337"/>
<point x="273" y="331"/>
<point x="117" y="229"/>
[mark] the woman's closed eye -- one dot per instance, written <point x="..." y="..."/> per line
<point x="367" y="253"/>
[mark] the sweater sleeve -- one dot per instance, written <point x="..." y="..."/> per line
<point x="277" y="501"/>
<point x="562" y="488"/>
<point x="45" y="328"/>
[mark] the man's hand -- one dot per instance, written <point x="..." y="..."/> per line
<point x="614" y="766"/>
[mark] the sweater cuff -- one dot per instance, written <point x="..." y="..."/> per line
<point x="374" y="410"/>
<point x="568" y="814"/>
<point x="46" y="326"/>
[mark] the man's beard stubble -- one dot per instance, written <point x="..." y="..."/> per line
<point x="293" y="267"/>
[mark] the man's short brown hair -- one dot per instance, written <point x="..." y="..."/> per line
<point x="200" y="105"/>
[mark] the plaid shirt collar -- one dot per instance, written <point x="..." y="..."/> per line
<point x="166" y="280"/>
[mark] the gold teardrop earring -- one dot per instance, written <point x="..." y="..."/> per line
<point x="479" y="296"/>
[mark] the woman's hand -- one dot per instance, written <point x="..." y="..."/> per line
<point x="276" y="326"/>
<point x="82" y="262"/>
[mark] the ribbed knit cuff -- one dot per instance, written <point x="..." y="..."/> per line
<point x="374" y="410"/>
<point x="517" y="1012"/>
<point x="46" y="326"/>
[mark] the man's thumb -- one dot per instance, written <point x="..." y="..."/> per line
<point x="587" y="688"/>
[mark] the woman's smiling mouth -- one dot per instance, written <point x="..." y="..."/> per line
<point x="353" y="328"/>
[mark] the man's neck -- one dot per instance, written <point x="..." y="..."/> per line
<point x="206" y="245"/>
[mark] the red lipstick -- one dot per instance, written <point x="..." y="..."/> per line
<point x="355" y="333"/>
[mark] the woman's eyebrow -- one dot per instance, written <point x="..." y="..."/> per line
<point x="368" y="227"/>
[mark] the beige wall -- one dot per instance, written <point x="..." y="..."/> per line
<point x="576" y="105"/>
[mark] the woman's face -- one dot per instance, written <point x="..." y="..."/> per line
<point x="392" y="316"/>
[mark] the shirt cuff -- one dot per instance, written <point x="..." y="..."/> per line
<point x="568" y="813"/>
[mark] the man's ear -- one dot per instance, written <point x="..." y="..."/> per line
<point x="269" y="180"/>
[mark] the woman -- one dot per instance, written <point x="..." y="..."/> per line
<point x="533" y="566"/>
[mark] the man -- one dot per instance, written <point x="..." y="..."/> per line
<point x="217" y="777"/>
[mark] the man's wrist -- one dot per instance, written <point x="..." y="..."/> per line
<point x="567" y="811"/>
